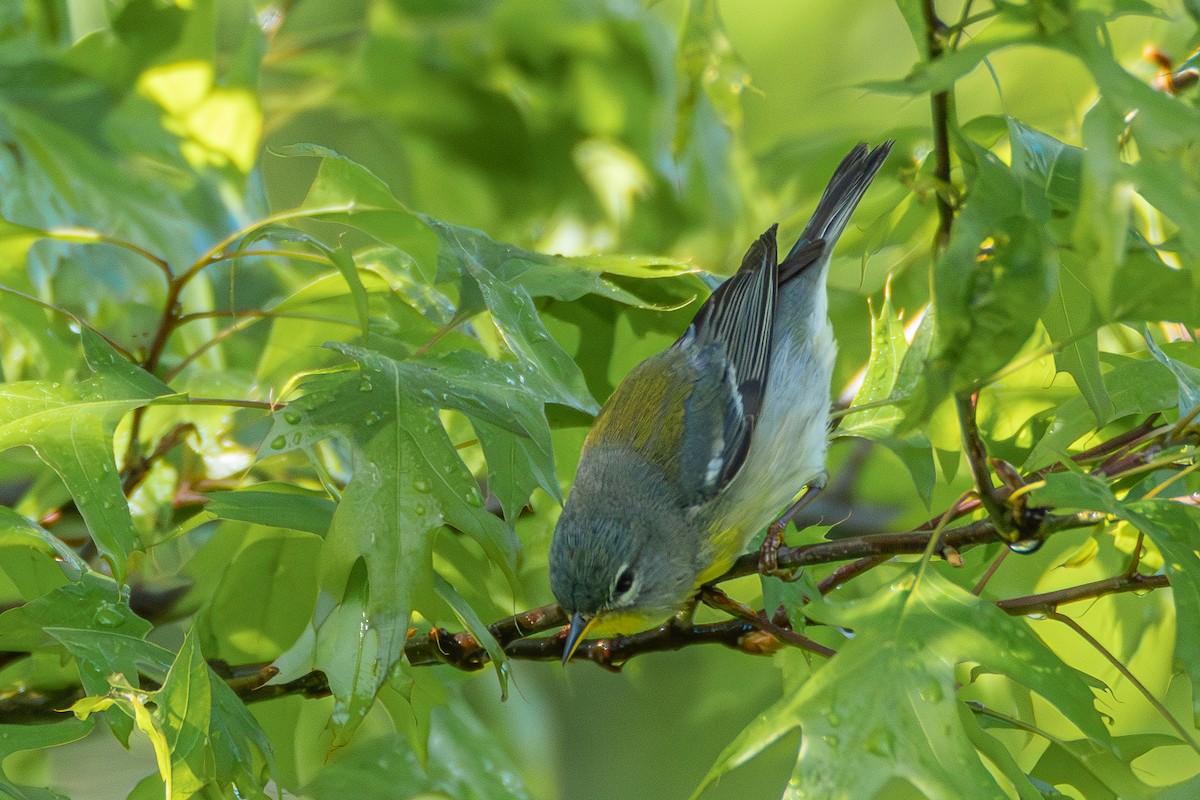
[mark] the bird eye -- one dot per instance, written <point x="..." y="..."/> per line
<point x="624" y="581"/>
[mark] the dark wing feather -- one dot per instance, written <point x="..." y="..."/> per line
<point x="730" y="339"/>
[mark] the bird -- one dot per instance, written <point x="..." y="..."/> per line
<point x="701" y="445"/>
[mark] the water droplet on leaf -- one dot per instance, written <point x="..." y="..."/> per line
<point x="108" y="616"/>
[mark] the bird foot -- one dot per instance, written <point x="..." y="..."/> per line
<point x="768" y="554"/>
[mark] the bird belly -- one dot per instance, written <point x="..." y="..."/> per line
<point x="787" y="451"/>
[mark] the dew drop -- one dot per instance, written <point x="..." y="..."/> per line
<point x="278" y="443"/>
<point x="421" y="485"/>
<point x="880" y="742"/>
<point x="108" y="617"/>
<point x="292" y="417"/>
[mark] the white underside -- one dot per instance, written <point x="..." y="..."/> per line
<point x="787" y="452"/>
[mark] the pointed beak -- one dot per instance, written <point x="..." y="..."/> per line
<point x="579" y="628"/>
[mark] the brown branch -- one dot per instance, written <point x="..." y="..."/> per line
<point x="463" y="651"/>
<point x="977" y="458"/>
<point x="515" y="633"/>
<point x="940" y="110"/>
<point x="137" y="471"/>
<point x="1048" y="602"/>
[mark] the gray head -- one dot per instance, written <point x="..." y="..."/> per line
<point x="622" y="546"/>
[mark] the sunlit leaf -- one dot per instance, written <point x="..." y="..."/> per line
<point x="885" y="705"/>
<point x="1173" y="527"/>
<point x="71" y="428"/>
<point x="994" y="279"/>
<point x="407" y="480"/>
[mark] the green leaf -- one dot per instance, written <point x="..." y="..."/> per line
<point x="1101" y="230"/>
<point x="1012" y="26"/>
<point x="516" y="466"/>
<point x="914" y="19"/>
<point x="1071" y="323"/>
<point x="1052" y="166"/>
<point x="545" y="366"/>
<point x="470" y="763"/>
<point x="1173" y="527"/>
<point x="21" y="531"/>
<point x="1135" y="387"/>
<point x="916" y="454"/>
<point x="71" y="428"/>
<point x="1100" y="772"/>
<point x="988" y="302"/>
<point x="94" y="603"/>
<point x="992" y="749"/>
<point x="253" y="626"/>
<point x="545" y="275"/>
<point x="884" y="707"/>
<point x="237" y="744"/>
<point x="888" y="349"/>
<point x="1055" y="170"/>
<point x="1147" y="290"/>
<point x="279" y="505"/>
<point x="16" y="738"/>
<point x="477" y="627"/>
<point x="407" y="479"/>
<point x="346" y="192"/>
<point x="343" y="259"/>
<point x="1187" y="377"/>
<point x="182" y="712"/>
<point x="1175" y="530"/>
<point x="15" y="241"/>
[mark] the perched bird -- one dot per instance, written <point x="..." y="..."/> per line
<point x="703" y="444"/>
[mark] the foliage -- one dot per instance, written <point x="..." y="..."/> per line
<point x="293" y="389"/>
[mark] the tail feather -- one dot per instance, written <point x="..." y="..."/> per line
<point x="847" y="186"/>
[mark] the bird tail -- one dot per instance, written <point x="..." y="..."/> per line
<point x="847" y="186"/>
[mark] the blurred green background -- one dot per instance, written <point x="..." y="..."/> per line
<point x="551" y="125"/>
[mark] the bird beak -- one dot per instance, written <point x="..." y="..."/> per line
<point x="579" y="628"/>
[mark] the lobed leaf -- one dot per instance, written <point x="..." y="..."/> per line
<point x="884" y="707"/>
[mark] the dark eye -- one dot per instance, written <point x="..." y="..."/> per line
<point x="624" y="581"/>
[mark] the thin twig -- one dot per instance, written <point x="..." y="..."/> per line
<point x="1129" y="676"/>
<point x="1048" y="602"/>
<point x="991" y="570"/>
<point x="940" y="108"/>
<point x="977" y="458"/>
<point x="847" y="572"/>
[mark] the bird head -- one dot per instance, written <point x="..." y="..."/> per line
<point x="624" y="555"/>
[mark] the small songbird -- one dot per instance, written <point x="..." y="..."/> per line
<point x="704" y="443"/>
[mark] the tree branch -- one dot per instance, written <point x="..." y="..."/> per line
<point x="516" y="633"/>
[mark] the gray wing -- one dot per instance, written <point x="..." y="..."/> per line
<point x="729" y="346"/>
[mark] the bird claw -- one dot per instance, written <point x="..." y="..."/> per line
<point x="768" y="554"/>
